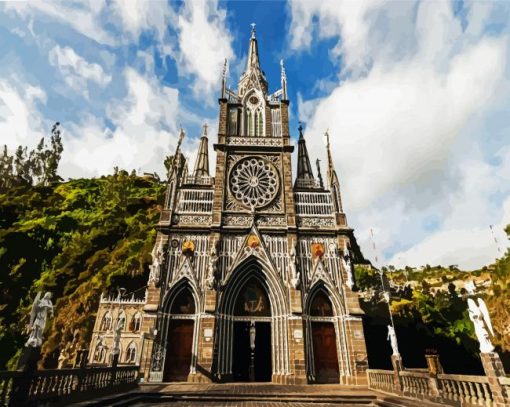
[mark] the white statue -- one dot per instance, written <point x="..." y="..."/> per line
<point x="470" y="287"/>
<point x="294" y="274"/>
<point x="212" y="267"/>
<point x="100" y="349"/>
<point x="157" y="260"/>
<point x="346" y="260"/>
<point x="253" y="334"/>
<point x="63" y="359"/>
<point x="41" y="309"/>
<point x="392" y="337"/>
<point x="479" y="314"/>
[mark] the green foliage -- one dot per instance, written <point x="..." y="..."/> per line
<point x="37" y="166"/>
<point x="76" y="239"/>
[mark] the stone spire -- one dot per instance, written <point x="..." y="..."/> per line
<point x="333" y="182"/>
<point x="202" y="162"/>
<point x="253" y="76"/>
<point x="284" y="81"/>
<point x="224" y="80"/>
<point x="304" y="169"/>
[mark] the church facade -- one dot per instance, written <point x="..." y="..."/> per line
<point x="252" y="275"/>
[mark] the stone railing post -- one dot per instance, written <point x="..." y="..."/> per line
<point x="27" y="364"/>
<point x="396" y="361"/>
<point x="434" y="367"/>
<point x="494" y="370"/>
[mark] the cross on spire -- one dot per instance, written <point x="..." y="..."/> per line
<point x="253" y="30"/>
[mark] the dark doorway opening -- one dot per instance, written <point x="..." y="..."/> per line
<point x="325" y="352"/>
<point x="242" y="352"/>
<point x="178" y="350"/>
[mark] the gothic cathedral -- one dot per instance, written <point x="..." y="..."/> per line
<point x="252" y="270"/>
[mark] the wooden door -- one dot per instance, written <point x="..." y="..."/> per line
<point x="325" y="353"/>
<point x="178" y="351"/>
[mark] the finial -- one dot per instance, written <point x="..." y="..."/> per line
<point x="253" y="30"/>
<point x="205" y="130"/>
<point x="300" y="128"/>
<point x="318" y="163"/>
<point x="225" y="64"/>
<point x="282" y="69"/>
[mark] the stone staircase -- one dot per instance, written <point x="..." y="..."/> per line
<point x="251" y="395"/>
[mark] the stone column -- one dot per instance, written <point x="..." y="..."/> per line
<point x="434" y="367"/>
<point x="494" y="370"/>
<point x="396" y="362"/>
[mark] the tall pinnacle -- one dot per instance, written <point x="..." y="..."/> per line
<point x="202" y="162"/>
<point x="253" y="52"/>
<point x="304" y="169"/>
<point x="333" y="182"/>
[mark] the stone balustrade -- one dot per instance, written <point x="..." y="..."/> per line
<point x="52" y="386"/>
<point x="448" y="389"/>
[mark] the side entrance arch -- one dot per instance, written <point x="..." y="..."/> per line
<point x="180" y="336"/>
<point x="324" y="366"/>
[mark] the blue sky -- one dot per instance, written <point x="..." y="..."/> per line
<point x="415" y="96"/>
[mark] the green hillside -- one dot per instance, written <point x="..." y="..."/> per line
<point x="75" y="239"/>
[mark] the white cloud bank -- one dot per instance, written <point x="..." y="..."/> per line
<point x="76" y="70"/>
<point x="413" y="87"/>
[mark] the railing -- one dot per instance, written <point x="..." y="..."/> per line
<point x="198" y="180"/>
<point x="58" y="386"/>
<point x="381" y="380"/>
<point x="415" y="383"/>
<point x="463" y="388"/>
<point x="448" y="389"/>
<point x="313" y="203"/>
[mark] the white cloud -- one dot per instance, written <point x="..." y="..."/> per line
<point x="77" y="71"/>
<point x="20" y="123"/>
<point x="144" y="132"/>
<point x="84" y="17"/>
<point x="136" y="16"/>
<point x="410" y="164"/>
<point x="204" y="43"/>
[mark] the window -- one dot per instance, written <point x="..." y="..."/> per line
<point x="183" y="303"/>
<point x="106" y="322"/>
<point x="121" y="320"/>
<point x="131" y="353"/>
<point x="136" y="322"/>
<point x="99" y="353"/>
<point x="232" y="121"/>
<point x="321" y="305"/>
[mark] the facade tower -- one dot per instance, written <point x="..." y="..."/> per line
<point x="252" y="269"/>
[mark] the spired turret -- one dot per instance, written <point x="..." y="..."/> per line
<point x="202" y="162"/>
<point x="305" y="178"/>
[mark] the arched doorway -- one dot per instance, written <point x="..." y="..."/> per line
<point x="252" y="334"/>
<point x="179" y="341"/>
<point x="323" y="337"/>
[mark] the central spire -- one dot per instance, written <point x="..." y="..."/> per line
<point x="253" y="76"/>
<point x="253" y="52"/>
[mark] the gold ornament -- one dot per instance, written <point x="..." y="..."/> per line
<point x="253" y="241"/>
<point x="188" y="247"/>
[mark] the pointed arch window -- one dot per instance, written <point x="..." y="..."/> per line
<point x="121" y="320"/>
<point x="321" y="305"/>
<point x="106" y="322"/>
<point x="99" y="353"/>
<point x="254" y="115"/>
<point x="136" y="322"/>
<point x="183" y="302"/>
<point x="131" y="353"/>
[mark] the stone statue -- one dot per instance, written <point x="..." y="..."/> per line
<point x="479" y="315"/>
<point x="392" y="337"/>
<point x="63" y="359"/>
<point x="346" y="260"/>
<point x="294" y="274"/>
<point x="157" y="261"/>
<point x="212" y="268"/>
<point x="100" y="349"/>
<point x="41" y="309"/>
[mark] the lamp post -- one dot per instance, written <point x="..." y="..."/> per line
<point x="252" y="347"/>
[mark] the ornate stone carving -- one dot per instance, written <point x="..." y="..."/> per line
<point x="157" y="261"/>
<point x="315" y="222"/>
<point x="212" y="267"/>
<point x="254" y="182"/>
<point x="192" y="220"/>
<point x="237" y="220"/>
<point x="271" y="221"/>
<point x="293" y="272"/>
<point x="255" y="141"/>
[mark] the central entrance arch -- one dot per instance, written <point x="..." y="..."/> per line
<point x="252" y="313"/>
<point x="252" y="334"/>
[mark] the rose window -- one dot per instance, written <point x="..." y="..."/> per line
<point x="254" y="182"/>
